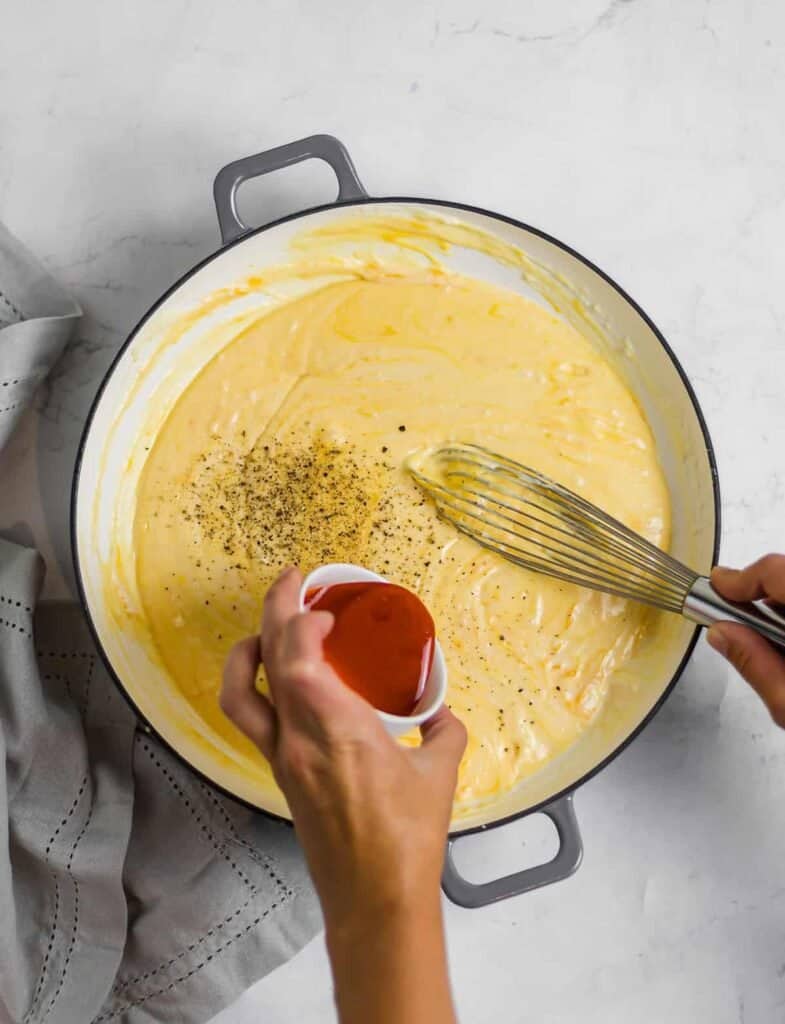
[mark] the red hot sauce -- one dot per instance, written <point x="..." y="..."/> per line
<point x="382" y="642"/>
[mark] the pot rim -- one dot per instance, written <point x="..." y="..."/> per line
<point x="148" y="726"/>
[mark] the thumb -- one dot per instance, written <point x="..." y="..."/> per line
<point x="242" y="703"/>
<point x="443" y="739"/>
<point x="756" y="660"/>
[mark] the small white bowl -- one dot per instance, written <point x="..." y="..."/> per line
<point x="435" y="685"/>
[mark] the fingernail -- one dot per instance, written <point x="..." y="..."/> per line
<point x="716" y="639"/>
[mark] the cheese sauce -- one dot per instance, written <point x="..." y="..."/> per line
<point x="289" y="446"/>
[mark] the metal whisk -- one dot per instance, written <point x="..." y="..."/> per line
<point x="536" y="523"/>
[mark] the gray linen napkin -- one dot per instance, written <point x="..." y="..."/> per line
<point x="129" y="889"/>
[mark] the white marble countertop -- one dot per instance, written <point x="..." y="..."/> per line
<point x="647" y="134"/>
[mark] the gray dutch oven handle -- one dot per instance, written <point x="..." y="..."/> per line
<point x="566" y="862"/>
<point x="315" y="147"/>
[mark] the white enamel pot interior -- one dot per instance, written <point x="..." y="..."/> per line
<point x="109" y="464"/>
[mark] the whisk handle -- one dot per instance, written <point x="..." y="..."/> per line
<point x="705" y="606"/>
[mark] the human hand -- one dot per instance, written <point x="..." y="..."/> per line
<point x="758" y="661"/>
<point x="372" y="816"/>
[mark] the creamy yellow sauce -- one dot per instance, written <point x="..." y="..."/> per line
<point x="289" y="447"/>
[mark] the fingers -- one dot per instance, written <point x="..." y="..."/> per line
<point x="307" y="694"/>
<point x="764" y="578"/>
<point x="304" y="635"/>
<point x="752" y="656"/>
<point x="281" y="603"/>
<point x="242" y="703"/>
<point x="443" y="738"/>
<point x="756" y="660"/>
<point x="302" y="676"/>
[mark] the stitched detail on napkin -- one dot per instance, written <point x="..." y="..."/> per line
<point x="56" y="924"/>
<point x="65" y="655"/>
<point x="60" y="679"/>
<point x="32" y="378"/>
<point x="56" y="911"/>
<point x="120" y="986"/>
<point x="219" y="845"/>
<point x="45" y="965"/>
<point x="204" y="828"/>
<point x="16" y="627"/>
<point x="90" y="670"/>
<point x="7" y="304"/>
<point x="69" y="815"/>
<point x="194" y="970"/>
<point x="256" y="855"/>
<point x="75" y="927"/>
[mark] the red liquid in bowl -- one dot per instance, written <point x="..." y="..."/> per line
<point x="382" y="642"/>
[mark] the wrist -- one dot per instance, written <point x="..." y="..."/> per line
<point x="387" y="914"/>
<point x="389" y="963"/>
<point x="394" y="883"/>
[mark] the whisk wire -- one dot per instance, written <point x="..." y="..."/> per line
<point x="572" y="504"/>
<point x="657" y="599"/>
<point x="622" y="539"/>
<point x="541" y="525"/>
<point x="594" y="540"/>
<point x="564" y="569"/>
<point x="522" y="518"/>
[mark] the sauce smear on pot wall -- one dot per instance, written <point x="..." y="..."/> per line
<point x="382" y="642"/>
